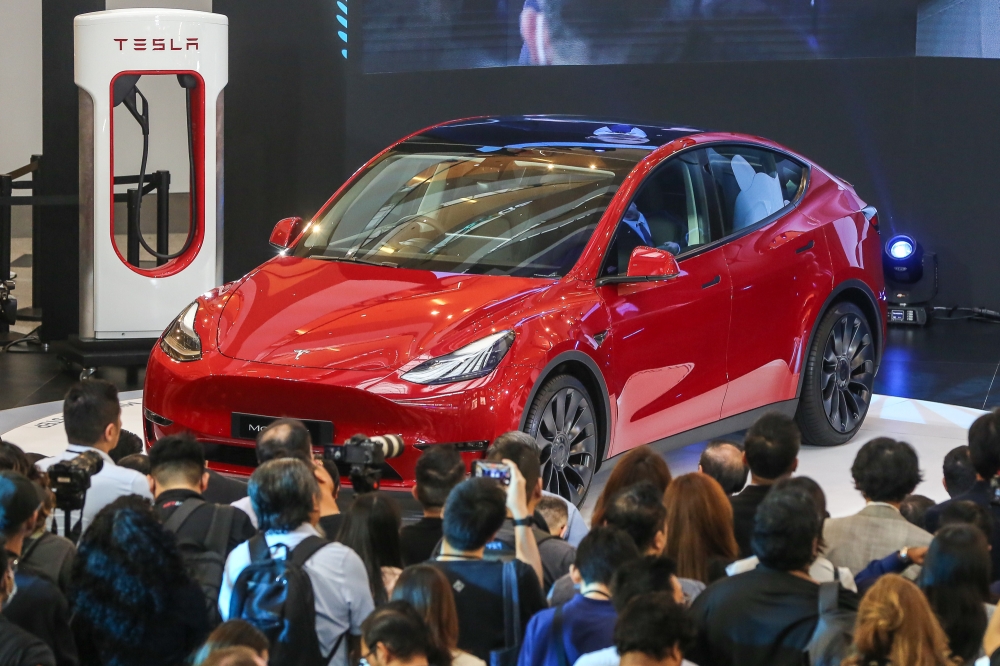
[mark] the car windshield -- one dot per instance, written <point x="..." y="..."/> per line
<point x="525" y="211"/>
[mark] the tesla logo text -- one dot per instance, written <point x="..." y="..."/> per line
<point x="158" y="44"/>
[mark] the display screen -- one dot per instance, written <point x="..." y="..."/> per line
<point x="408" y="35"/>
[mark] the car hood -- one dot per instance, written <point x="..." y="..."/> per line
<point x="325" y="314"/>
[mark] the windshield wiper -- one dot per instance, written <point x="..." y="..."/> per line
<point x="354" y="260"/>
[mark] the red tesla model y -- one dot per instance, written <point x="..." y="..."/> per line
<point x="595" y="284"/>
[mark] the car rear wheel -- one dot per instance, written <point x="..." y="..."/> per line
<point x="563" y="422"/>
<point x="839" y="375"/>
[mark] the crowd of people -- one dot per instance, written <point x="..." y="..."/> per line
<point x="738" y="564"/>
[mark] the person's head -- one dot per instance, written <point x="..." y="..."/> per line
<point x="426" y="588"/>
<point x="967" y="512"/>
<point x="233" y="656"/>
<point x="640" y="464"/>
<point x="438" y="470"/>
<point x="126" y="572"/>
<point x="602" y="552"/>
<point x="811" y="488"/>
<point x="520" y="448"/>
<point x="914" y="509"/>
<point x="20" y="500"/>
<point x="650" y="574"/>
<point x="128" y="444"/>
<point x="371" y="529"/>
<point x="984" y="444"/>
<point x="284" y="438"/>
<point x="474" y="512"/>
<point x="886" y="470"/>
<point x="959" y="474"/>
<point x="556" y="514"/>
<point x="230" y="634"/>
<point x="395" y="634"/>
<point x="639" y="511"/>
<point x="177" y="461"/>
<point x="92" y="415"/>
<point x="955" y="577"/>
<point x="771" y="447"/>
<point x="137" y="461"/>
<point x="723" y="461"/>
<point x="786" y="530"/>
<point x="699" y="525"/>
<point x="13" y="458"/>
<point x="653" y="629"/>
<point x="283" y="494"/>
<point x="895" y="625"/>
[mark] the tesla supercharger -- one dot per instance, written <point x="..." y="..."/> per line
<point x="114" y="50"/>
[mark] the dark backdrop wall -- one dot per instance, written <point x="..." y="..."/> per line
<point x="918" y="137"/>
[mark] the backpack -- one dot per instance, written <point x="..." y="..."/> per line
<point x="831" y="641"/>
<point x="206" y="561"/>
<point x="508" y="655"/>
<point x="276" y="596"/>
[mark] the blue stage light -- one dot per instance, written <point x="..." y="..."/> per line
<point x="901" y="247"/>
<point x="902" y="260"/>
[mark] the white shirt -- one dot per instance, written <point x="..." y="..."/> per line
<point x="106" y="486"/>
<point x="821" y="571"/>
<point x="244" y="505"/>
<point x="339" y="581"/>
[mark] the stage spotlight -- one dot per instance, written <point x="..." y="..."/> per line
<point x="910" y="279"/>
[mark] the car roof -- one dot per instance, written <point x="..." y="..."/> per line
<point x="494" y="133"/>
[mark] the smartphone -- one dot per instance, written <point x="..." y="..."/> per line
<point x="492" y="470"/>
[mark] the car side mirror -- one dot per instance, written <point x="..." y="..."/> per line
<point x="286" y="232"/>
<point x="646" y="264"/>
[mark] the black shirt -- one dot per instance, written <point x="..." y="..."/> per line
<point x="758" y="618"/>
<point x="744" y="509"/>
<point x="418" y="541"/>
<point x="19" y="648"/>
<point x="556" y="554"/>
<point x="331" y="525"/>
<point x="478" y="588"/>
<point x="196" y="526"/>
<point x="981" y="494"/>
<point x="224" y="489"/>
<point x="40" y="608"/>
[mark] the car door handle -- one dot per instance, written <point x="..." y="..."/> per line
<point x="805" y="248"/>
<point x="711" y="283"/>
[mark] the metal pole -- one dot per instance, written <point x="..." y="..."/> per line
<point x="132" y="245"/>
<point x="162" y="215"/>
<point x="6" y="188"/>
<point x="36" y="243"/>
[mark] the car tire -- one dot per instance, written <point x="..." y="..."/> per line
<point x="839" y="376"/>
<point x="563" y="421"/>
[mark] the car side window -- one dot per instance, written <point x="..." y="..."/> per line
<point x="669" y="212"/>
<point x="753" y="184"/>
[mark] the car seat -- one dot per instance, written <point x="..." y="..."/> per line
<point x="759" y="197"/>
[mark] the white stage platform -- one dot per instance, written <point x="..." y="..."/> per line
<point x="932" y="428"/>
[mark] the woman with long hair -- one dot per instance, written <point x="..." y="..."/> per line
<point x="956" y="580"/>
<point x="426" y="588"/>
<point x="896" y="626"/>
<point x="133" y="601"/>
<point x="234" y="633"/>
<point x="371" y="529"/>
<point x="699" y="527"/>
<point x="639" y="464"/>
<point x="396" y="635"/>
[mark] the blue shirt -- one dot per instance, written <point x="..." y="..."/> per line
<point x="588" y="626"/>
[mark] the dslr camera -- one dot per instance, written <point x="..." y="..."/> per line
<point x="365" y="456"/>
<point x="8" y="304"/>
<point x="70" y="480"/>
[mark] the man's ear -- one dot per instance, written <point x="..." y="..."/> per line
<point x="795" y="465"/>
<point x="152" y="484"/>
<point x="660" y="541"/>
<point x="574" y="575"/>
<point x="746" y="463"/>
<point x="205" y="478"/>
<point x="700" y="470"/>
<point x="536" y="494"/>
<point x="413" y="491"/>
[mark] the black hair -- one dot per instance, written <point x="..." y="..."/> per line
<point x="886" y="470"/>
<point x="654" y="624"/>
<point x="371" y="529"/>
<point x="956" y="578"/>
<point x="126" y="575"/>
<point x="13" y="458"/>
<point x="284" y="438"/>
<point x="282" y="493"/>
<point x="403" y="632"/>
<point x="602" y="552"/>
<point x="137" y="461"/>
<point x="232" y="633"/>
<point x="522" y="450"/>
<point x="914" y="509"/>
<point x="88" y="408"/>
<point x="967" y="512"/>
<point x="475" y="510"/>
<point x="959" y="474"/>
<point x="128" y="444"/>
<point x="639" y="510"/>
<point x="649" y="574"/>
<point x="984" y="444"/>
<point x="177" y="455"/>
<point x="786" y="525"/>
<point x="813" y="489"/>
<point x="439" y="469"/>
<point x="334" y="472"/>
<point x="730" y="471"/>
<point x="771" y="445"/>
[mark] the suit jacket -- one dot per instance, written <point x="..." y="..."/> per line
<point x="744" y="509"/>
<point x="981" y="494"/>
<point x="871" y="534"/>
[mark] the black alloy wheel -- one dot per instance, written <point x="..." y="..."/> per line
<point x="839" y="375"/>
<point x="563" y="423"/>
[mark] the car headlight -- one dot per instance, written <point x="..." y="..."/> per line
<point x="180" y="342"/>
<point x="470" y="362"/>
